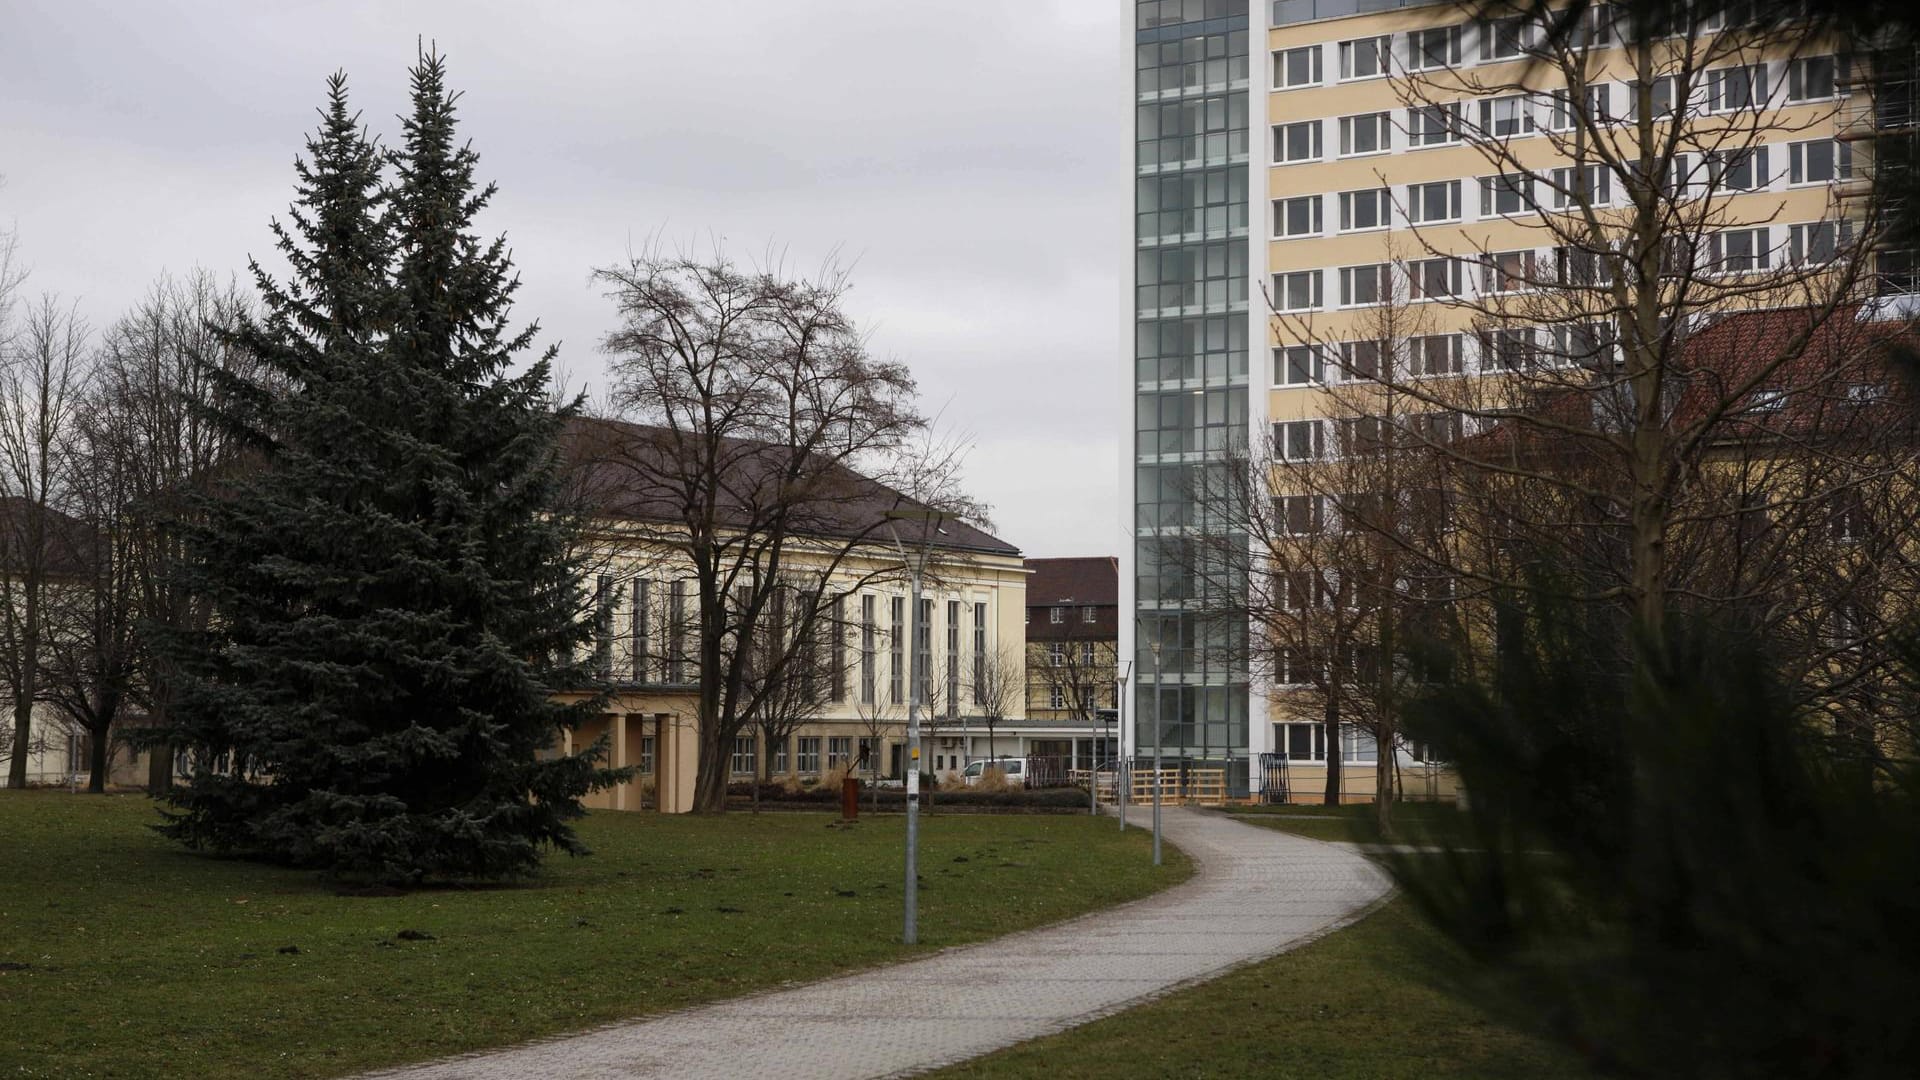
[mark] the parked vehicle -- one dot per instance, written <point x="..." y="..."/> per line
<point x="1015" y="770"/>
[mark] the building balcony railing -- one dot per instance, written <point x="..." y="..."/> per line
<point x="1287" y="12"/>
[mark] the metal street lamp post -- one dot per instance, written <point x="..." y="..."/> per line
<point x="930" y="521"/>
<point x="1123" y="669"/>
<point x="1157" y="733"/>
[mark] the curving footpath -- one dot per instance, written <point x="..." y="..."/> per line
<point x="1254" y="892"/>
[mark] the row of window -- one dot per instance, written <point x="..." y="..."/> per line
<point x="1308" y="440"/>
<point x="656" y="642"/>
<point x="1817" y="161"/>
<point x="1448" y="277"/>
<point x="1442" y="48"/>
<point x="1498" y="118"/>
<point x="842" y="752"/>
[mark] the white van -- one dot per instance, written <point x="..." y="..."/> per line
<point x="1014" y="768"/>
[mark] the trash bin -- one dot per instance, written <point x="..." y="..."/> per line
<point x="850" y="798"/>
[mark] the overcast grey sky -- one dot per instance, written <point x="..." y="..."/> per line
<point x="968" y="156"/>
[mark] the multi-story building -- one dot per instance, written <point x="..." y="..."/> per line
<point x="1302" y="165"/>
<point x="1073" y="622"/>
<point x="850" y="712"/>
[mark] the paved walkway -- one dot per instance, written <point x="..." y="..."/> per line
<point x="1254" y="892"/>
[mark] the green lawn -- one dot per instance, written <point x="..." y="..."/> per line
<point x="146" y="960"/>
<point x="1352" y="1006"/>
<point x="1413" y="822"/>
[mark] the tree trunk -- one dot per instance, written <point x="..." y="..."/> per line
<point x="1383" y="781"/>
<point x="97" y="760"/>
<point x="22" y="736"/>
<point x="1332" y="721"/>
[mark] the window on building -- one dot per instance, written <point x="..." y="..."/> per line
<point x="1505" y="39"/>
<point x="743" y="755"/>
<point x="1428" y="204"/>
<point x="1437" y="428"/>
<point x="1089" y="613"/>
<point x="1300" y="515"/>
<point x="1599" y="108"/>
<point x="1361" y="360"/>
<point x="1057" y="697"/>
<point x="1738" y="170"/>
<point x="1293" y="666"/>
<point x="1584" y="344"/>
<point x="1819" y="161"/>
<point x="1297" y="365"/>
<point x="1357" y="747"/>
<point x="603" y="600"/>
<point x="1593" y="28"/>
<point x="1365" y="58"/>
<point x="1508" y="350"/>
<point x="1297" y="216"/>
<point x="1298" y="440"/>
<point x="839" y="653"/>
<point x="808" y="755"/>
<point x="1433" y="125"/>
<point x="1812" y="78"/>
<point x="923" y="653"/>
<point x="1574" y="188"/>
<point x="1086" y="654"/>
<point x="867" y="658"/>
<point x="1301" y="742"/>
<point x="1297" y="67"/>
<point x="1367" y="209"/>
<point x="1296" y="142"/>
<point x="1506" y="272"/>
<point x="1056" y="654"/>
<point x="1817" y="243"/>
<point x="1577" y="267"/>
<point x="1433" y="48"/>
<point x="1437" y="354"/>
<point x="897" y="652"/>
<point x="979" y="652"/>
<point x="1297" y="291"/>
<point x="646" y="756"/>
<point x="1056" y="615"/>
<point x="1506" y="193"/>
<point x="1434" y="279"/>
<point x="1743" y="87"/>
<point x="1736" y="251"/>
<point x="867" y="753"/>
<point x="1506" y="117"/>
<point x="1367" y="133"/>
<point x="839" y="752"/>
<point x="677" y="632"/>
<point x="953" y="656"/>
<point x="642" y="631"/>
<point x="1361" y="285"/>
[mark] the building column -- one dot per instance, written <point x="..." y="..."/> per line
<point x="619" y="722"/>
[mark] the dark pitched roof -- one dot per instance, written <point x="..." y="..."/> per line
<point x="1092" y="580"/>
<point x="68" y="541"/>
<point x="602" y="455"/>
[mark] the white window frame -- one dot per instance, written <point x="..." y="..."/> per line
<point x="1382" y="123"/>
<point x="1282" y="219"/>
<point x="1382" y="204"/>
<point x="1525" y="36"/>
<point x="1418" y="353"/>
<point x="1418" y="61"/>
<point x="1762" y="253"/>
<point x="1522" y="107"/>
<point x="1799" y="233"/>
<point x="1491" y="274"/>
<point x="1283" y="286"/>
<point x="1316" y="366"/>
<point x="1316" y="63"/>
<point x="1383" y="284"/>
<point x="1418" y="116"/>
<point x="1380" y="45"/>
<point x="1600" y="191"/>
<point x="1516" y="185"/>
<point x="1455" y="273"/>
<point x="1299" y="440"/>
<point x="1417" y="202"/>
<point x="1797" y="171"/>
<point x="1797" y="79"/>
<point x="1281" y="142"/>
<point x="1758" y="87"/>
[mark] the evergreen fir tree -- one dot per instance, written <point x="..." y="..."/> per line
<point x="376" y="696"/>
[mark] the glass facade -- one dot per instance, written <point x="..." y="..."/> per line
<point x="1191" y="291"/>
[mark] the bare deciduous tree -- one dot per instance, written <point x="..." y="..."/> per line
<point x="41" y="386"/>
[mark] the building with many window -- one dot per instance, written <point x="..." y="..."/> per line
<point x="1304" y="167"/>
<point x="848" y="712"/>
<point x="1073" y="624"/>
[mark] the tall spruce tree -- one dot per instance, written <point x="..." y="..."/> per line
<point x="376" y="697"/>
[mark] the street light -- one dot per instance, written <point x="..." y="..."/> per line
<point x="1122" y="671"/>
<point x="929" y="523"/>
<point x="1157" y="732"/>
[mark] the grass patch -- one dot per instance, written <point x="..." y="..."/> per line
<point x="1413" y="822"/>
<point x="1352" y="1006"/>
<point x="143" y="959"/>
